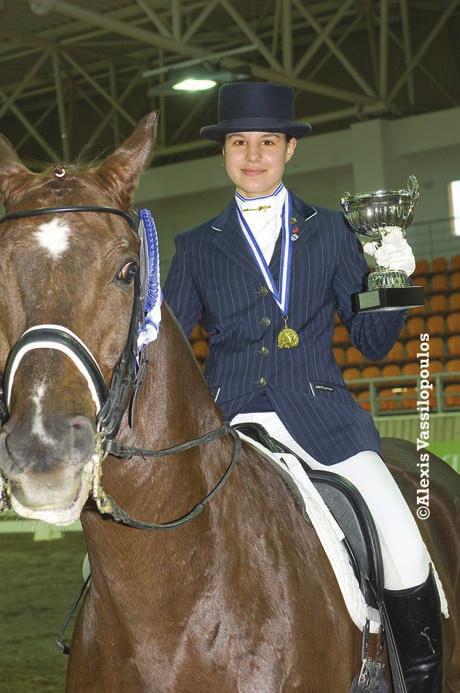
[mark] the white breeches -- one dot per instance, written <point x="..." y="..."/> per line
<point x="405" y="556"/>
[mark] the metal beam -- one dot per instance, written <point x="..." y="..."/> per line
<point x="24" y="82"/>
<point x="420" y="66"/>
<point x="287" y="36"/>
<point x="16" y="56"/>
<point x="83" y="94"/>
<point x="124" y="28"/>
<point x="383" y="52"/>
<point x="137" y="34"/>
<point x="276" y="26"/>
<point x="61" y="31"/>
<point x="98" y="88"/>
<point x="317" y="43"/>
<point x="61" y="107"/>
<point x="243" y="25"/>
<point x="205" y="57"/>
<point x="176" y="19"/>
<point x="37" y="122"/>
<point x="344" y="34"/>
<point x="108" y="115"/>
<point x="371" y="32"/>
<point x="407" y="48"/>
<point x="423" y="48"/>
<point x="28" y="39"/>
<point x="70" y="110"/>
<point x="303" y="84"/>
<point x="154" y="18"/>
<point x="359" y="79"/>
<point x="198" y="21"/>
<point x="200" y="105"/>
<point x="356" y="112"/>
<point x="30" y="128"/>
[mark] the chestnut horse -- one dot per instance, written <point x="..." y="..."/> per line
<point x="241" y="598"/>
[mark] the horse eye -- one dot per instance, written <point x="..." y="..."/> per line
<point x="127" y="272"/>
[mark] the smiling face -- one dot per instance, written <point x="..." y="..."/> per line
<point x="255" y="161"/>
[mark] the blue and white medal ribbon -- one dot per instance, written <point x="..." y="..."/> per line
<point x="153" y="297"/>
<point x="287" y="338"/>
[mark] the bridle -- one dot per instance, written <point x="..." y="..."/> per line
<point x="113" y="401"/>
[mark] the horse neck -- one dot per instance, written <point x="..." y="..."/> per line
<point x="175" y="403"/>
<point x="174" y="406"/>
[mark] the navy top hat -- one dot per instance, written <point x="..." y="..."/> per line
<point x="255" y="106"/>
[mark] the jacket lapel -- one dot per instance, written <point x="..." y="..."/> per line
<point x="274" y="265"/>
<point x="229" y="239"/>
<point x="301" y="218"/>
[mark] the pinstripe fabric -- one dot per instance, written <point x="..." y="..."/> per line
<point x="213" y="276"/>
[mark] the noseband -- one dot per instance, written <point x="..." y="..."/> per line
<point x="112" y="402"/>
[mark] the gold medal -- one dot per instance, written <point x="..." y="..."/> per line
<point x="287" y="338"/>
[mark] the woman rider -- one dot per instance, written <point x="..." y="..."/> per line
<point x="265" y="277"/>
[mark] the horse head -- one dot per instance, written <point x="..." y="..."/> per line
<point x="66" y="304"/>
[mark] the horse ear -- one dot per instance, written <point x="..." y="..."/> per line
<point x="119" y="173"/>
<point x="12" y="171"/>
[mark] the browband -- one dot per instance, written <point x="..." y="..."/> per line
<point x="79" y="208"/>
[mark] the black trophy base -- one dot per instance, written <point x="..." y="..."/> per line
<point x="388" y="299"/>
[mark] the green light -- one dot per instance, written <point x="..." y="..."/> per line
<point x="191" y="84"/>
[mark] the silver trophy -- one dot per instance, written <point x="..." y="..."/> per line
<point x="375" y="214"/>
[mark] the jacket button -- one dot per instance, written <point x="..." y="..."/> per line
<point x="265" y="322"/>
<point x="263" y="351"/>
<point x="262" y="382"/>
<point x="263" y="291"/>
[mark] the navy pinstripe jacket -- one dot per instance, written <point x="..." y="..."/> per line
<point x="214" y="276"/>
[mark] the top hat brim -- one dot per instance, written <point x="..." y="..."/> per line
<point x="225" y="127"/>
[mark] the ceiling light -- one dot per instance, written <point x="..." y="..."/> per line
<point x="192" y="84"/>
<point x="192" y="80"/>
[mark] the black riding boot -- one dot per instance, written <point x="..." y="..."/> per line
<point x="415" y="618"/>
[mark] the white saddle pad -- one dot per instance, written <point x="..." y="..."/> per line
<point x="332" y="540"/>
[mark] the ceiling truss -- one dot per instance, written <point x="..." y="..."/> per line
<point x="74" y="81"/>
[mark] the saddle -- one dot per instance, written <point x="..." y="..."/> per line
<point x="350" y="512"/>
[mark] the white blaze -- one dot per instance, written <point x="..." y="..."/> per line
<point x="38" y="428"/>
<point x="54" y="237"/>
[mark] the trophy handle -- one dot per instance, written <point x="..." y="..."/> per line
<point x="412" y="184"/>
<point x="414" y="190"/>
<point x="345" y="200"/>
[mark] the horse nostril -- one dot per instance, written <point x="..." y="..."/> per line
<point x="82" y="432"/>
<point x="79" y="422"/>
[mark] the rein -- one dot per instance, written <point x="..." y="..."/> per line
<point x="112" y="402"/>
<point x="106" y="504"/>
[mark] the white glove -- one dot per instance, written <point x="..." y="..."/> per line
<point x="394" y="252"/>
